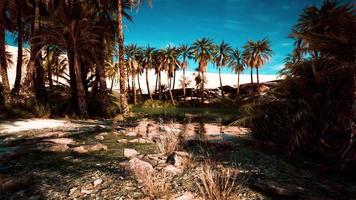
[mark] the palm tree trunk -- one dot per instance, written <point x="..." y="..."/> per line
<point x="174" y="79"/>
<point x="17" y="84"/>
<point x="238" y="85"/>
<point x="139" y="84"/>
<point x="134" y="89"/>
<point x="112" y="84"/>
<point x="252" y="76"/>
<point x="72" y="82"/>
<point x="170" y="90"/>
<point x="221" y="85"/>
<point x="82" y="105"/>
<point x="258" y="81"/>
<point x="202" y="87"/>
<point x="49" y="70"/>
<point x="156" y="87"/>
<point x="160" y="85"/>
<point x="148" y="85"/>
<point x="3" y="63"/>
<point x="184" y="84"/>
<point x="123" y="92"/>
<point x="102" y="79"/>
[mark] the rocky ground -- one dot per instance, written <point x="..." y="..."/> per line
<point x="145" y="159"/>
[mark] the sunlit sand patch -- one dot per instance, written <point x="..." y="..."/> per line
<point x="29" y="124"/>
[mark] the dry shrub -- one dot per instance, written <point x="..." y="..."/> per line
<point x="155" y="185"/>
<point x="217" y="182"/>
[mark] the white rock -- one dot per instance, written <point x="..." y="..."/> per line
<point x="84" y="191"/>
<point x="97" y="182"/>
<point x="131" y="134"/>
<point x="60" y="141"/>
<point x="122" y="141"/>
<point x="172" y="170"/>
<point x="72" y="190"/>
<point x="129" y="153"/>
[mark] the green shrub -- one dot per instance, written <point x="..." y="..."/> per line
<point x="156" y="104"/>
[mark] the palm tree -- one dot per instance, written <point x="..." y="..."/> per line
<point x="222" y="58"/>
<point x="111" y="72"/>
<point x="170" y="63"/>
<point x="185" y="53"/>
<point x="148" y="60"/>
<point x="132" y="54"/>
<point x="123" y="93"/>
<point x="256" y="55"/>
<point x="70" y="30"/>
<point x="203" y="50"/>
<point x="237" y="65"/>
<point x="3" y="63"/>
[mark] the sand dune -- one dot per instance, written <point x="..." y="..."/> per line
<point x="213" y="78"/>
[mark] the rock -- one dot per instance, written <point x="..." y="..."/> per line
<point x="184" y="196"/>
<point x="56" y="134"/>
<point x="140" y="141"/>
<point x="99" y="137"/>
<point x="131" y="134"/>
<point x="80" y="149"/>
<point x="84" y="191"/>
<point x="97" y="182"/>
<point x="140" y="167"/>
<point x="129" y="153"/>
<point x="60" y="141"/>
<point x="122" y="141"/>
<point x="178" y="159"/>
<point x="97" y="147"/>
<point x="49" y="147"/>
<point x="104" y="134"/>
<point x="90" y="148"/>
<point x="170" y="169"/>
<point x="72" y="190"/>
<point x="15" y="183"/>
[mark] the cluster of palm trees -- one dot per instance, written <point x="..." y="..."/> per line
<point x="78" y="40"/>
<point x="88" y="33"/>
<point x="203" y="51"/>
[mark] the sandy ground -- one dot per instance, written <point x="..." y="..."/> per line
<point x="213" y="78"/>
<point x="29" y="124"/>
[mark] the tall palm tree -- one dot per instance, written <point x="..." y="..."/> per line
<point x="111" y="72"/>
<point x="203" y="50"/>
<point x="17" y="9"/>
<point x="120" y="8"/>
<point x="132" y="54"/>
<point x="237" y="65"/>
<point x="148" y="61"/>
<point x="185" y="53"/>
<point x="222" y="58"/>
<point x="3" y="63"/>
<point x="72" y="29"/>
<point x="170" y="63"/>
<point x="256" y="55"/>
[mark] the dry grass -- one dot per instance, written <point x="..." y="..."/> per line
<point x="155" y="185"/>
<point x="219" y="183"/>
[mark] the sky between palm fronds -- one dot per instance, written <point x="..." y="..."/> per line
<point x="176" y="22"/>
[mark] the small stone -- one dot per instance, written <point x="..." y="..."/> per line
<point x="60" y="141"/>
<point x="129" y="153"/>
<point x="99" y="137"/>
<point x="131" y="134"/>
<point x="84" y="191"/>
<point x="122" y="141"/>
<point x="72" y="190"/>
<point x="80" y="149"/>
<point x="172" y="170"/>
<point x="97" y="182"/>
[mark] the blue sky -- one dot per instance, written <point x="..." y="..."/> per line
<point x="235" y="21"/>
<point x="178" y="22"/>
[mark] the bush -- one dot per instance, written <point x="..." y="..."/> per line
<point x="156" y="104"/>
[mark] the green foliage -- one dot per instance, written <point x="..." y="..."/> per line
<point x="156" y="104"/>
